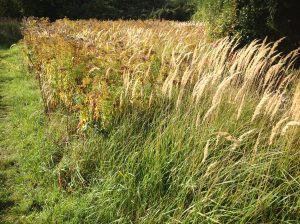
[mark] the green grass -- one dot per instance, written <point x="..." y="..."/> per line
<point x="146" y="169"/>
<point x="19" y="99"/>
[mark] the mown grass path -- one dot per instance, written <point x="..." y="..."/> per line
<point x="16" y="97"/>
<point x="8" y="168"/>
<point x="25" y="176"/>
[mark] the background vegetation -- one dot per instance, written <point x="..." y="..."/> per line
<point x="247" y="19"/>
<point x="252" y="19"/>
<point x="100" y="9"/>
<point x="10" y="31"/>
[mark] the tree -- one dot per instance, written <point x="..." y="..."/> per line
<point x="11" y="8"/>
<point x="109" y="9"/>
<point x="251" y="19"/>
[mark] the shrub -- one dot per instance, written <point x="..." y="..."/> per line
<point x="10" y="31"/>
<point x="218" y="16"/>
<point x="251" y="19"/>
<point x="11" y="8"/>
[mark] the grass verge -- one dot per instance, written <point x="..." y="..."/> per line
<point x="21" y="130"/>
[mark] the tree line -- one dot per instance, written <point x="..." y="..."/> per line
<point x="99" y="9"/>
<point x="251" y="19"/>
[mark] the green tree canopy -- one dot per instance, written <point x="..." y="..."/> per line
<point x="251" y="19"/>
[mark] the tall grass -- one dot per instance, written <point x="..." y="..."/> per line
<point x="164" y="126"/>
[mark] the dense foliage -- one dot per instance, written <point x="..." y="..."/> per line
<point x="10" y="31"/>
<point x="252" y="19"/>
<point x="100" y="9"/>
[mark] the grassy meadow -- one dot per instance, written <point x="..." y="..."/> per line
<point x="149" y="122"/>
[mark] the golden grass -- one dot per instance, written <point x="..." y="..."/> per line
<point x="95" y="68"/>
